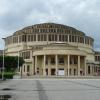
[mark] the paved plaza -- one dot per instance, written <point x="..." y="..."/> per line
<point x="51" y="89"/>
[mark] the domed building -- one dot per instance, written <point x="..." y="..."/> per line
<point x="53" y="49"/>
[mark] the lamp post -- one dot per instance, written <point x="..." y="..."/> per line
<point x="3" y="65"/>
<point x="18" y="62"/>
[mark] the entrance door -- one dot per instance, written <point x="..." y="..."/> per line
<point x="46" y="71"/>
<point x="61" y="72"/>
<point x="53" y="71"/>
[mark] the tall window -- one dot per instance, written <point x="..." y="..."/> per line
<point x="28" y="68"/>
<point x="52" y="60"/>
<point x="46" y="60"/>
<point x="24" y="38"/>
<point x="66" y="38"/>
<point x="34" y="37"/>
<point x="88" y="69"/>
<point x="39" y="37"/>
<point x="61" y="60"/>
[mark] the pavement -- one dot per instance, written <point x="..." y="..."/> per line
<point x="51" y="89"/>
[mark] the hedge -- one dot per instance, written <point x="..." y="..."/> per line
<point x="7" y="75"/>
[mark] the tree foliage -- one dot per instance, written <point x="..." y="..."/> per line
<point x="11" y="62"/>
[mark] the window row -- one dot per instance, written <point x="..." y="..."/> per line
<point x="61" y="60"/>
<point x="97" y="58"/>
<point x="51" y="30"/>
<point x="25" y="55"/>
<point x="49" y="37"/>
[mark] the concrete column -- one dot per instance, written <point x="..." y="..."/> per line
<point x="49" y="72"/>
<point x="57" y="37"/>
<point x="85" y="69"/>
<point x="32" y="66"/>
<point x="35" y="65"/>
<point x="56" y="64"/>
<point x="68" y="64"/>
<point x="68" y="38"/>
<point x="44" y="66"/>
<point x="78" y="65"/>
<point x="91" y="71"/>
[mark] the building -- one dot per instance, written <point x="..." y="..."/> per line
<point x="53" y="49"/>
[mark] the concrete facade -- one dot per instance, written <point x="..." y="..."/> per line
<point x="53" y="49"/>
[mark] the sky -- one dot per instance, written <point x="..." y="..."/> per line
<point x="83" y="15"/>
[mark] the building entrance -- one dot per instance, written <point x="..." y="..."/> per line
<point x="53" y="71"/>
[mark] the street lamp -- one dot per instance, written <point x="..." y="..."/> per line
<point x="18" y="62"/>
<point x="3" y="65"/>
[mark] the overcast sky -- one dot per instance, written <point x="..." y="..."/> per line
<point x="80" y="14"/>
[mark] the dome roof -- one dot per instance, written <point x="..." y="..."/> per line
<point x="49" y="28"/>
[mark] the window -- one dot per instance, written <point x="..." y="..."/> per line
<point x="51" y="37"/>
<point x="81" y="40"/>
<point x="70" y="40"/>
<point x="45" y="37"/>
<point x="26" y="55"/>
<point x="73" y="60"/>
<point x="38" y="37"/>
<point x="46" y="60"/>
<point x="24" y="68"/>
<point x="88" y="69"/>
<point x="74" y="71"/>
<point x="66" y="38"/>
<point x="24" y="38"/>
<point x="95" y="58"/>
<point x="34" y="37"/>
<point x="63" y="39"/>
<point x="42" y="37"/>
<point x="29" y="38"/>
<point x="52" y="60"/>
<point x="61" y="60"/>
<point x="55" y="37"/>
<point x="73" y="39"/>
<point x="20" y="38"/>
<point x="28" y="68"/>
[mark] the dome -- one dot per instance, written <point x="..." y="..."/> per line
<point x="49" y="28"/>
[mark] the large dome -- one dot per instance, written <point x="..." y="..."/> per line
<point x="49" y="28"/>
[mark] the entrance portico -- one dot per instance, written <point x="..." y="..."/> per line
<point x="66" y="65"/>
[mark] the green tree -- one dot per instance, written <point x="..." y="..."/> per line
<point x="11" y="62"/>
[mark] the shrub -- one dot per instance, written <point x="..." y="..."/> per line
<point x="7" y="75"/>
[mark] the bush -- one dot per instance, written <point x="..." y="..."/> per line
<point x="7" y="75"/>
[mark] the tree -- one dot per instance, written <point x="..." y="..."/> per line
<point x="11" y="62"/>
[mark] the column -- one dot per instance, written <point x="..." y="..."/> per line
<point x="44" y="66"/>
<point x="68" y="64"/>
<point x="85" y="69"/>
<point x="68" y="38"/>
<point x="56" y="64"/>
<point x="78" y="65"/>
<point x="35" y="65"/>
<point x="91" y="69"/>
<point x="32" y="66"/>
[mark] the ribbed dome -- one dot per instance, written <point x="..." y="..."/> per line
<point x="49" y="28"/>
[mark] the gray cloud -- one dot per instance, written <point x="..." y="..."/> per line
<point x="81" y="14"/>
